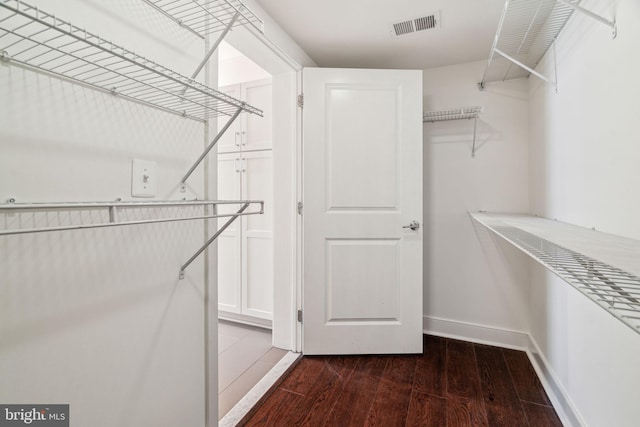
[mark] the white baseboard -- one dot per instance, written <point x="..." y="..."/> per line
<point x="244" y="319"/>
<point x="475" y="333"/>
<point x="242" y="408"/>
<point x="560" y="399"/>
<point x="514" y="340"/>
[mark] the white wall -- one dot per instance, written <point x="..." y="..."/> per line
<point x="273" y="35"/>
<point x="98" y="318"/>
<point x="584" y="155"/>
<point x="464" y="284"/>
<point x="234" y="67"/>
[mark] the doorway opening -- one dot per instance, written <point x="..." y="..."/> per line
<point x="245" y="172"/>
<point x="256" y="160"/>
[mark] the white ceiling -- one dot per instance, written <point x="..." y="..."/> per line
<point x="356" y="33"/>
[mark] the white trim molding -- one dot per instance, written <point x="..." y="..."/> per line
<point x="242" y="408"/>
<point x="559" y="397"/>
<point x="472" y="332"/>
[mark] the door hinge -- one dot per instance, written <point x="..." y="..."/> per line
<point x="300" y="208"/>
<point x="301" y="100"/>
<point x="300" y="316"/>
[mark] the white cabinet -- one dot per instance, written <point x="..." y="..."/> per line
<point x="249" y="132"/>
<point x="245" y="249"/>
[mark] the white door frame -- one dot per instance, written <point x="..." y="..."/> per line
<point x="287" y="144"/>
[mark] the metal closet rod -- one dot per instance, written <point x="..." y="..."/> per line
<point x="11" y="204"/>
<point x="113" y="212"/>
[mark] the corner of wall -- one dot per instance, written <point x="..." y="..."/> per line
<point x="476" y="333"/>
<point x="516" y="340"/>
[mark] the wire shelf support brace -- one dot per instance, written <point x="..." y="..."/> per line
<point x="213" y="142"/>
<point x="456" y="114"/>
<point x="240" y="212"/>
<point x="526" y="31"/>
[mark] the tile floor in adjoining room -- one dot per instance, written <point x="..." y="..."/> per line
<point x="245" y="355"/>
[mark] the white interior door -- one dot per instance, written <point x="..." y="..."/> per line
<point x="362" y="184"/>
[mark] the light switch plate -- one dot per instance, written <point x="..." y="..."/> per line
<point x="143" y="178"/>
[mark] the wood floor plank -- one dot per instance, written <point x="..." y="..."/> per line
<point x="391" y="403"/>
<point x="275" y="411"/>
<point x="304" y="375"/>
<point x="323" y="394"/>
<point x="465" y="405"/>
<point x="430" y="376"/>
<point x="455" y="383"/>
<point x="353" y="406"/>
<point x="426" y="410"/>
<point x="527" y="384"/>
<point x="541" y="415"/>
<point x="500" y="397"/>
<point x="459" y="413"/>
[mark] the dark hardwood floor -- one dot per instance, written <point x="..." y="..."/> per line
<point x="454" y="383"/>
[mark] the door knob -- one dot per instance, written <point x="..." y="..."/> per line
<point x="414" y="225"/>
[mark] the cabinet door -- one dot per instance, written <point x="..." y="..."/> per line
<point x="231" y="139"/>
<point x="257" y="236"/>
<point x="229" y="260"/>
<point x="256" y="131"/>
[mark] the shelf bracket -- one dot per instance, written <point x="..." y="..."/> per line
<point x="210" y="146"/>
<point x="456" y="114"/>
<point x="213" y="49"/>
<point x="214" y="237"/>
<point x="521" y="65"/>
<point x="473" y="147"/>
<point x="611" y="24"/>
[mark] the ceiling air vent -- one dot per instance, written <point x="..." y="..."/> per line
<point x="415" y="25"/>
<point x="402" y="28"/>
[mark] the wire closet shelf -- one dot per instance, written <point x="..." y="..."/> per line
<point x="25" y="218"/>
<point x="526" y="31"/>
<point x="614" y="289"/>
<point x="204" y="17"/>
<point x="452" y="114"/>
<point x="460" y="113"/>
<point x="39" y="40"/>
